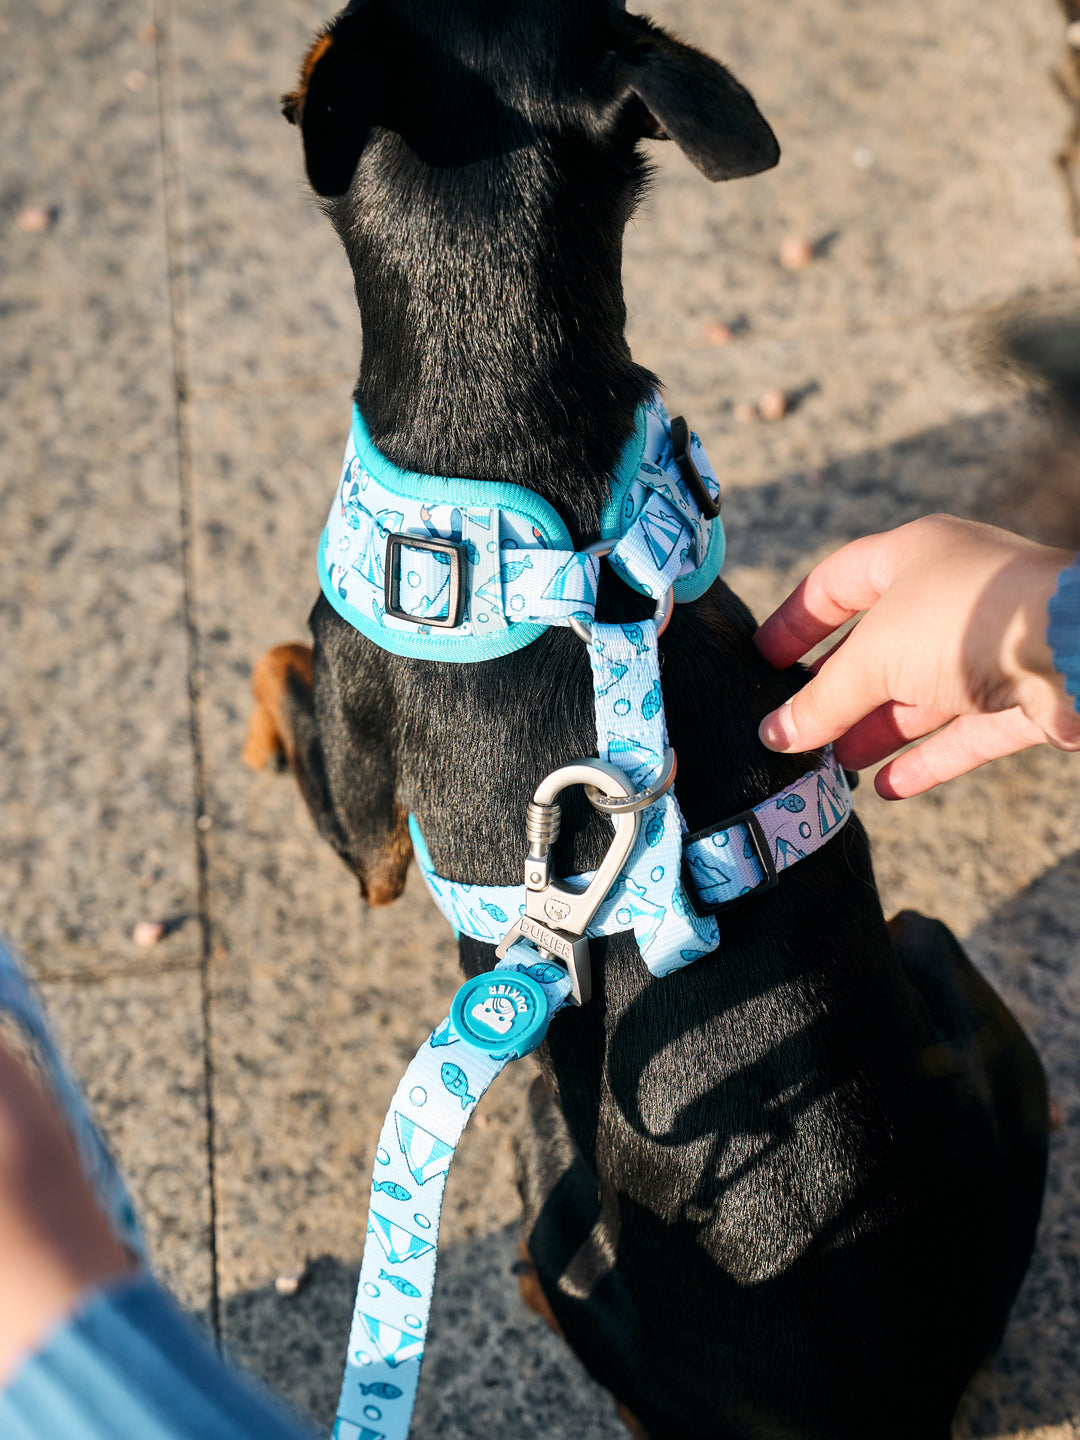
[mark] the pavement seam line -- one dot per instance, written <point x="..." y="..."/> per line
<point x="176" y="267"/>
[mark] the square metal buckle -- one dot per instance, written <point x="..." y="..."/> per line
<point x="761" y="855"/>
<point x="392" y="579"/>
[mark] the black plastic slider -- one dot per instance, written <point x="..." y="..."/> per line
<point x="691" y="475"/>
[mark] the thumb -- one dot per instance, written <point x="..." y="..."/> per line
<point x="848" y="687"/>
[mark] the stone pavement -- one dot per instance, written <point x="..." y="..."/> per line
<point x="178" y="346"/>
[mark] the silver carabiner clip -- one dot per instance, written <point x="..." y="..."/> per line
<point x="556" y="917"/>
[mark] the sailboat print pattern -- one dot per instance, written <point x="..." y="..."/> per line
<point x="425" y="1121"/>
<point x="722" y="860"/>
<point x="513" y="573"/>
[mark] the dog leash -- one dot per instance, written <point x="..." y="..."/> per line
<point x="472" y="603"/>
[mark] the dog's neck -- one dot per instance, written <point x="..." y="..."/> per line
<point x="497" y="349"/>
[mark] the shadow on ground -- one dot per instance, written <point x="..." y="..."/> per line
<point x="1006" y="466"/>
<point x="493" y="1368"/>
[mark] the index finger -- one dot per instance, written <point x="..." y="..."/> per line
<point x="845" y="582"/>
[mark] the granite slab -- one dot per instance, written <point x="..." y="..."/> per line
<point x="136" y="1044"/>
<point x="97" y="789"/>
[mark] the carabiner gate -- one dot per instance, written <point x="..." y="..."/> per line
<point x="556" y="917"/>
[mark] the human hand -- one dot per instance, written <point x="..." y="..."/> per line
<point x="952" y="647"/>
<point x="54" y="1240"/>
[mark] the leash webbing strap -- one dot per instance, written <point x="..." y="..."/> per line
<point x="506" y="1010"/>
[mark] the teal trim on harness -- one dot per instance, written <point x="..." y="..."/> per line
<point x="457" y="649"/>
<point x="410" y="485"/>
<point x="436" y="489"/>
<point x="500" y="552"/>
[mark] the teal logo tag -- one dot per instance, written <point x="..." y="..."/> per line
<point x="502" y="1013"/>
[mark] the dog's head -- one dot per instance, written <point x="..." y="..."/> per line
<point x="465" y="80"/>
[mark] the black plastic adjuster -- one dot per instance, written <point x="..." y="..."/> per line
<point x="691" y="475"/>
<point x="761" y="854"/>
<point x="392" y="579"/>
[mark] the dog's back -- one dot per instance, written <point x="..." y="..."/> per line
<point x="790" y="1190"/>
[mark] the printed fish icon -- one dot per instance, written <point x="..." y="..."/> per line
<point x="652" y="702"/>
<point x="457" y="1082"/>
<point x="391" y="1188"/>
<point x="636" y="636"/>
<point x="794" y="803"/>
<point x="654" y="830"/>
<point x="543" y="972"/>
<point x="443" y="1035"/>
<point x="404" y="1286"/>
<point x="511" y="569"/>
<point x="381" y="1389"/>
<point x="493" y="910"/>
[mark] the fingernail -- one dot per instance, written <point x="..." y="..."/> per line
<point x="776" y="731"/>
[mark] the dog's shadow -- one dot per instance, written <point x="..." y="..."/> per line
<point x="1028" y="949"/>
<point x="492" y="1367"/>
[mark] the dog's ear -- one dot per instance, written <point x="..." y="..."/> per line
<point x="336" y="99"/>
<point x="691" y="99"/>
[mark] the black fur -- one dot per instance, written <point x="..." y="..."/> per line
<point x="789" y="1191"/>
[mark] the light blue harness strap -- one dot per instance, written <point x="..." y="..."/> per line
<point x="18" y="1000"/>
<point x="631" y="732"/>
<point x="460" y="570"/>
<point x="721" y="863"/>
<point x="495" y="1018"/>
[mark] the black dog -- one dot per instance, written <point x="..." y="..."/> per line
<point x="789" y="1191"/>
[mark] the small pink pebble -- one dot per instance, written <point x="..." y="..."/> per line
<point x="745" y="413"/>
<point x="135" y="80"/>
<point x="147" y="933"/>
<point x="34" y="219"/>
<point x="147" y="33"/>
<point x="773" y="405"/>
<point x="796" y="252"/>
<point x="292" y="1282"/>
<point x="718" y="334"/>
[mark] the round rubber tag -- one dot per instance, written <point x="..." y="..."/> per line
<point x="501" y="1012"/>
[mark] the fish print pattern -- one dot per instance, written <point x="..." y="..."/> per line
<point x="397" y="1275"/>
<point x="512" y="571"/>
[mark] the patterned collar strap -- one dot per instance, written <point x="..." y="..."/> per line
<point x="718" y="866"/>
<point x="467" y="570"/>
<point x="495" y="1018"/>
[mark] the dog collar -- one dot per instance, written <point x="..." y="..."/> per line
<point x="466" y="570"/>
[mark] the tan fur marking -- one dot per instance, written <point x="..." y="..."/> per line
<point x="268" y="737"/>
<point x="387" y="879"/>
<point x="532" y="1294"/>
<point x="632" y="1423"/>
<point x="292" y="105"/>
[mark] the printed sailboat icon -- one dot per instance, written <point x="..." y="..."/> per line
<point x="574" y="581"/>
<point x="830" y="808"/>
<point x="640" y="762"/>
<point x="786" y="853"/>
<point x="394" y="1345"/>
<point x="425" y="1154"/>
<point x="398" y="1243"/>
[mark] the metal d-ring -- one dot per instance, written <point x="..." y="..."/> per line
<point x="616" y="805"/>
<point x="664" y="606"/>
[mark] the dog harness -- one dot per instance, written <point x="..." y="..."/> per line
<point x="464" y="571"/>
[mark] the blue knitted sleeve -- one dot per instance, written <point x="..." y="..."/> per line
<point x="1063" y="632"/>
<point x="130" y="1366"/>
